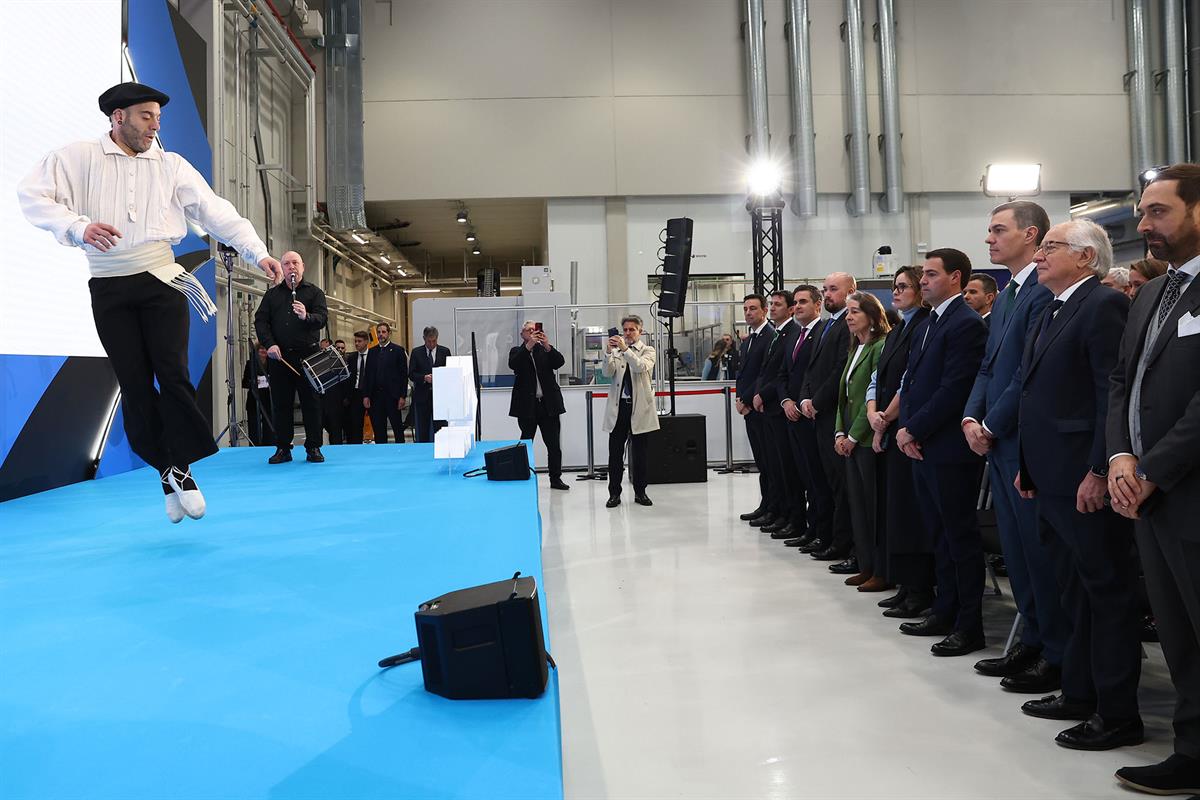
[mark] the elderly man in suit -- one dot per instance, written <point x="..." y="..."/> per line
<point x="946" y="353"/>
<point x="1063" y="381"/>
<point x="1034" y="664"/>
<point x="536" y="401"/>
<point x="1154" y="446"/>
<point x="631" y="413"/>
<point x="751" y="353"/>
<point x="421" y="363"/>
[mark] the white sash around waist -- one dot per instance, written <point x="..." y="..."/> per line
<point x="158" y="259"/>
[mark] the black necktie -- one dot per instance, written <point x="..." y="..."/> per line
<point x="1051" y="310"/>
<point x="1171" y="295"/>
<point x="933" y="315"/>
<point x="627" y="384"/>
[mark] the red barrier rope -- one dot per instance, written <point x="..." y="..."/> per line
<point x="668" y="394"/>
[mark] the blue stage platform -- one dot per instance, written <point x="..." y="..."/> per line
<point x="234" y="656"/>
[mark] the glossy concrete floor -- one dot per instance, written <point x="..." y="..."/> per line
<point x="699" y="659"/>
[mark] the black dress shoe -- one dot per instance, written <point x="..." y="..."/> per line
<point x="816" y="545"/>
<point x="1096" y="734"/>
<point x="1179" y="774"/>
<point x="830" y="553"/>
<point x="1040" y="678"/>
<point x="758" y="512"/>
<point x="1058" y="707"/>
<point x="959" y="643"/>
<point x="795" y="542"/>
<point x="642" y="500"/>
<point x="614" y="500"/>
<point x="786" y="532"/>
<point x="1018" y="659"/>
<point x="776" y="524"/>
<point x="314" y="455"/>
<point x="894" y="600"/>
<point x="557" y="483"/>
<point x="930" y="626"/>
<point x="765" y="519"/>
<point x="846" y="567"/>
<point x="282" y="454"/>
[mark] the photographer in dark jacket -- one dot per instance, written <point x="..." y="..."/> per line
<point x="536" y="399"/>
<point x="289" y="322"/>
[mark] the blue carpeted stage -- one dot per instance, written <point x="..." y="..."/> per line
<point x="234" y="657"/>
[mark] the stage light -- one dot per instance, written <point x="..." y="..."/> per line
<point x="764" y="177"/>
<point x="1012" y="180"/>
<point x="475" y="250"/>
<point x="471" y="236"/>
<point x="461" y="217"/>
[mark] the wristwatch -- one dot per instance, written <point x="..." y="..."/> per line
<point x="1102" y="472"/>
<point x="1140" y="473"/>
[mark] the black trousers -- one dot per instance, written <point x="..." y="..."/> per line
<point x="801" y="516"/>
<point x="621" y="433"/>
<point x="143" y="325"/>
<point x="756" y="433"/>
<point x="258" y="418"/>
<point x="906" y="543"/>
<point x="333" y="414"/>
<point x="820" y="494"/>
<point x="842" y="533"/>
<point x="861" y="492"/>
<point x="946" y="494"/>
<point x="1097" y="573"/>
<point x="551" y="427"/>
<point x="787" y="493"/>
<point x="285" y="385"/>
<point x="420" y="415"/>
<point x="353" y="421"/>
<point x="383" y="411"/>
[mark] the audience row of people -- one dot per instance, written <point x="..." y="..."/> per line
<point x="1083" y="410"/>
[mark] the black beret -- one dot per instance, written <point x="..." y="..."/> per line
<point x="124" y="95"/>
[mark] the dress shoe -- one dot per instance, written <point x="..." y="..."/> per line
<point x="614" y="500"/>
<point x="895" y="600"/>
<point x="282" y="454"/>
<point x="1040" y="678"/>
<point x="1179" y="774"/>
<point x="930" y="626"/>
<point x="557" y="483"/>
<point x="1019" y="658"/>
<point x="758" y="512"/>
<point x="830" y="553"/>
<point x="765" y="519"/>
<point x="848" y="566"/>
<point x="786" y="532"/>
<point x="1149" y="631"/>
<point x="776" y="524"/>
<point x="959" y="643"/>
<point x="642" y="500"/>
<point x="190" y="498"/>
<point x="1056" y="706"/>
<point x="815" y="546"/>
<point x="796" y="542"/>
<point x="857" y="579"/>
<point x="314" y="455"/>
<point x="876" y="584"/>
<point x="1096" y="734"/>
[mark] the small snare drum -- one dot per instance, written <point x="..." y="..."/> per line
<point x="325" y="369"/>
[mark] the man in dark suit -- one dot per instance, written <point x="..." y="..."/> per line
<point x="537" y="401"/>
<point x="333" y="405"/>
<point x="357" y="362"/>
<point x="813" y="499"/>
<point x="385" y="390"/>
<point x="818" y="403"/>
<point x="421" y="362"/>
<point x="752" y="351"/>
<point x="946" y="352"/>
<point x="1034" y="664"/>
<point x="1154" y="455"/>
<point x="1064" y="403"/>
<point x="980" y="295"/>
<point x="786" y="493"/>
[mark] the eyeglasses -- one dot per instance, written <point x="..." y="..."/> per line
<point x="1049" y="247"/>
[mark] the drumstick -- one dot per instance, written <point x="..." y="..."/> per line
<point x="289" y="366"/>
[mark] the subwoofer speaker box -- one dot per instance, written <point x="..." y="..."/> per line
<point x="484" y="643"/>
<point x="678" y="451"/>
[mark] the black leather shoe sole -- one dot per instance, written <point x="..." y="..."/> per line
<point x="760" y="522"/>
<point x="1082" y="737"/>
<point x="1019" y="684"/>
<point x="927" y="627"/>
<point x="905" y="611"/>
<point x="953" y="646"/>
<point x="750" y="516"/>
<point x="642" y="500"/>
<point x="613" y="502"/>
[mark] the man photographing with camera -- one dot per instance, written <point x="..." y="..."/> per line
<point x="536" y="399"/>
<point x="630" y="413"/>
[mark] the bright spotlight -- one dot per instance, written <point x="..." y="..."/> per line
<point x="764" y="177"/>
<point x="1012" y="180"/>
<point x="461" y="218"/>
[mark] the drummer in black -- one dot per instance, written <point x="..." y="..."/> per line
<point x="289" y="322"/>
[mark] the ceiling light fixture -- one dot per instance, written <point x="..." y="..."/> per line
<point x="403" y="274"/>
<point x="384" y="259"/>
<point x="421" y="291"/>
<point x="471" y="236"/>
<point x="475" y="250"/>
<point x="1012" y="180"/>
<point x="358" y="238"/>
<point x="461" y="217"/>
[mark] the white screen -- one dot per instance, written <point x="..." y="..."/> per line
<point x="47" y="100"/>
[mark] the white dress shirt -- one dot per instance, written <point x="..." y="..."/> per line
<point x="150" y="197"/>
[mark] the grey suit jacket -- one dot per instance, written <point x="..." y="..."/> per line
<point x="1170" y="412"/>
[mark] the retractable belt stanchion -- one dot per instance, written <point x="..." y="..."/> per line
<point x="591" y="474"/>
<point x="729" y="467"/>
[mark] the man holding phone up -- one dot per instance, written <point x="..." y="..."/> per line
<point x="536" y="399"/>
<point x="630" y="413"/>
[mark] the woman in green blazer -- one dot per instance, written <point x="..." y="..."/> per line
<point x="868" y="328"/>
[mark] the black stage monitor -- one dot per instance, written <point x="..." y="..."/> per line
<point x="676" y="263"/>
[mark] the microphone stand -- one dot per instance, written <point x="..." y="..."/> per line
<point x="233" y="426"/>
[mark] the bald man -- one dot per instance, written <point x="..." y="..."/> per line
<point x="289" y="322"/>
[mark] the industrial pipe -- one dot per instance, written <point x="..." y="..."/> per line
<point x="889" y="108"/>
<point x="859" y="202"/>
<point x="804" y="152"/>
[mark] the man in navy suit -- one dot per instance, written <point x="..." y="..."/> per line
<point x="357" y="362"/>
<point x="786" y="493"/>
<point x="751" y="353"/>
<point x="386" y="385"/>
<point x="421" y="363"/>
<point x="946" y="353"/>
<point x="1034" y="664"/>
<point x="1064" y="409"/>
<point x="812" y="507"/>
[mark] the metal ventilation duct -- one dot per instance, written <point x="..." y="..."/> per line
<point x="1173" y="61"/>
<point x="1193" y="78"/>
<point x="1137" y="84"/>
<point x="889" y="108"/>
<point x="859" y="202"/>
<point x="344" y="116"/>
<point x="758" y="142"/>
<point x="804" y="152"/>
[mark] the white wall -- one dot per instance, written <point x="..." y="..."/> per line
<point x="576" y="230"/>
<point x="961" y="220"/>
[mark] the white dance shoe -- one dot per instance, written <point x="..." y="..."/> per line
<point x="189" y="497"/>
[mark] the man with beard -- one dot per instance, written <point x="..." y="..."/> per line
<point x="1154" y="455"/>
<point x="385" y="385"/>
